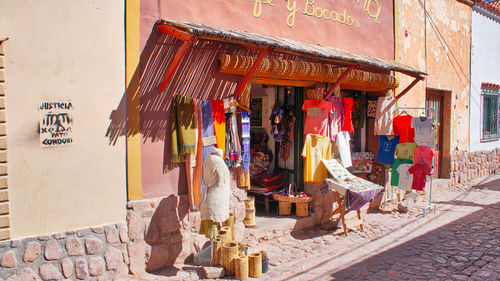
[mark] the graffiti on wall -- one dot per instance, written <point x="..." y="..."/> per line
<point x="56" y="124"/>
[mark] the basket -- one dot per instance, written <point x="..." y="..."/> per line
<point x="285" y="208"/>
<point x="282" y="198"/>
<point x="302" y="209"/>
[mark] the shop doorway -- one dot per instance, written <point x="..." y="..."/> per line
<point x="435" y="99"/>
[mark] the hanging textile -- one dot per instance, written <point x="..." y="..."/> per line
<point x="233" y="146"/>
<point x="196" y="184"/>
<point x="183" y="129"/>
<point x="244" y="175"/>
<point x="347" y="126"/>
<point x="207" y="130"/>
<point x="219" y="123"/>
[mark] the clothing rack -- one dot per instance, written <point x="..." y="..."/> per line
<point x="428" y="112"/>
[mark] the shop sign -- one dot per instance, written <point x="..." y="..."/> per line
<point x="310" y="8"/>
<point x="56" y="123"/>
<point x="361" y="26"/>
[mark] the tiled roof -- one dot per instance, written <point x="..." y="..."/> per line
<point x="490" y="85"/>
<point x="493" y="6"/>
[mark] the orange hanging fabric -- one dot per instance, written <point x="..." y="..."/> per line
<point x="219" y="124"/>
<point x="196" y="185"/>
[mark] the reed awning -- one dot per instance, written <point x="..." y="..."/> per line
<point x="328" y="53"/>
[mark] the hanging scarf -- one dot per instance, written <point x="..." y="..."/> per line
<point x="196" y="184"/>
<point x="207" y="132"/>
<point x="219" y="123"/>
<point x="245" y="136"/>
<point x="233" y="146"/>
<point x="183" y="128"/>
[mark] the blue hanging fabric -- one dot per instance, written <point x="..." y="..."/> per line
<point x="245" y="136"/>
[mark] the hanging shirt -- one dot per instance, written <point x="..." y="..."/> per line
<point x="316" y="116"/>
<point x="336" y="118"/>
<point x="424" y="154"/>
<point x="384" y="116"/>
<point x="424" y="134"/>
<point x="405" y="177"/>
<point x="347" y="126"/>
<point x="394" y="170"/>
<point x="386" y="149"/>
<point x="316" y="148"/>
<point x="344" y="148"/>
<point x="403" y="129"/>
<point x="419" y="172"/>
<point x="406" y="150"/>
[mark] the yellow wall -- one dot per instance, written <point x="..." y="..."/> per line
<point x="64" y="50"/>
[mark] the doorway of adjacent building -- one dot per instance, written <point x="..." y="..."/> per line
<point x="435" y="99"/>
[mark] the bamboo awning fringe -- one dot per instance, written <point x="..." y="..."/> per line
<point x="300" y="73"/>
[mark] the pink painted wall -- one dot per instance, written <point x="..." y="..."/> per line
<point x="370" y="31"/>
<point x="198" y="76"/>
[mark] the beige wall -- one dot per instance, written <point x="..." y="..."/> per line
<point x="445" y="56"/>
<point x="64" y="50"/>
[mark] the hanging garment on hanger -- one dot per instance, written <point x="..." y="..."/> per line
<point x="406" y="150"/>
<point x="424" y="133"/>
<point x="344" y="148"/>
<point x="347" y="126"/>
<point x="183" y="130"/>
<point x="335" y="118"/>
<point x="403" y="128"/>
<point x="419" y="171"/>
<point x="386" y="150"/>
<point x="316" y="116"/>
<point x="315" y="149"/>
<point x="405" y="177"/>
<point x="394" y="170"/>
<point x="384" y="115"/>
<point x="424" y="155"/>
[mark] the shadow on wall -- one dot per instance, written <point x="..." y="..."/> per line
<point x="197" y="77"/>
<point x="164" y="234"/>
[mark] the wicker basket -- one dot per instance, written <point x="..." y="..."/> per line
<point x="285" y="208"/>
<point x="282" y="198"/>
<point x="302" y="209"/>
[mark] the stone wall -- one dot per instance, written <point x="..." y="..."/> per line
<point x="468" y="166"/>
<point x="163" y="232"/>
<point x="97" y="253"/>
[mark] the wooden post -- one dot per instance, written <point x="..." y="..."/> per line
<point x="246" y="79"/>
<point x="342" y="77"/>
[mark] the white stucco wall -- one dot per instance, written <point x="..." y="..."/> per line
<point x="64" y="50"/>
<point x="485" y="67"/>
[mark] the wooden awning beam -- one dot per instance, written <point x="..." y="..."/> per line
<point x="188" y="39"/>
<point x="255" y="65"/>
<point x="342" y="77"/>
<point x="408" y="88"/>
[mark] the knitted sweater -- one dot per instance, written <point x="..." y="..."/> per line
<point x="214" y="203"/>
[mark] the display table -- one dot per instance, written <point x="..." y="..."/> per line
<point x="352" y="192"/>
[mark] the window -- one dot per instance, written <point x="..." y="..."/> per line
<point x="490" y="114"/>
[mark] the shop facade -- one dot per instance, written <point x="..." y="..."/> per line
<point x="196" y="52"/>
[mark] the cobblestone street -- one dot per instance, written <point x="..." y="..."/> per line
<point x="461" y="241"/>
